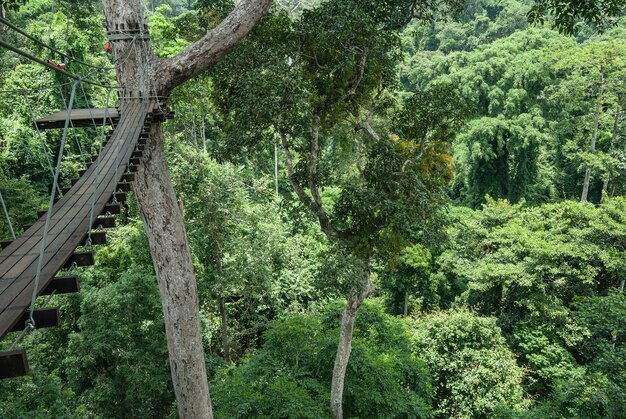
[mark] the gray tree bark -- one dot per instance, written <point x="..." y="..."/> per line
<point x="140" y="74"/>
<point x="614" y="138"/>
<point x="594" y="138"/>
<point x="405" y="310"/>
<point x="2" y="15"/>
<point x="592" y="148"/>
<point x="356" y="297"/>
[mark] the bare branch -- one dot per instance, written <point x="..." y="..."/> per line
<point x="207" y="51"/>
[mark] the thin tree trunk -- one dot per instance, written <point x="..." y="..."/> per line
<point x="354" y="302"/>
<point x="193" y="132"/>
<point x="614" y="134"/>
<point x="2" y="15"/>
<point x="224" y="329"/>
<point x="223" y="313"/>
<point x="594" y="138"/>
<point x="276" y="163"/>
<point x="203" y="136"/>
<point x="405" y="311"/>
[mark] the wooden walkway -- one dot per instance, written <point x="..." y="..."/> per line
<point x="81" y="118"/>
<point x="68" y="229"/>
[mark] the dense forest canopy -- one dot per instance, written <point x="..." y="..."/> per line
<point x="439" y="187"/>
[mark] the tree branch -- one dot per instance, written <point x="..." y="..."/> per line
<point x="357" y="78"/>
<point x="366" y="123"/>
<point x="207" y="51"/>
<point x="315" y="149"/>
<point x="318" y="209"/>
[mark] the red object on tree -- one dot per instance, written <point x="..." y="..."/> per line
<point x="57" y="65"/>
<point x="107" y="47"/>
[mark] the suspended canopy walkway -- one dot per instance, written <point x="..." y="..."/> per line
<point x="62" y="237"/>
<point x="81" y="118"/>
<point x="91" y="200"/>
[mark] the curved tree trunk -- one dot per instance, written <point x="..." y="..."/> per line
<point x="163" y="222"/>
<point x="355" y="299"/>
<point x="171" y="256"/>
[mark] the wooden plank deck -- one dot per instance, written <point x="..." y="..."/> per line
<point x="69" y="223"/>
<point x="81" y="118"/>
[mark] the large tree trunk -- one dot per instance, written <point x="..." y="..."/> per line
<point x="355" y="299"/>
<point x="163" y="221"/>
<point x="171" y="256"/>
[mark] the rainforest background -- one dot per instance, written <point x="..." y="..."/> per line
<point x="475" y="165"/>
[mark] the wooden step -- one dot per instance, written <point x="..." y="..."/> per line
<point x="134" y="161"/>
<point x="5" y="243"/>
<point x="13" y="364"/>
<point x="83" y="258"/>
<point x="119" y="196"/>
<point x="97" y="237"/>
<point x="124" y="186"/>
<point x="44" y="317"/>
<point x="62" y="285"/>
<point x="104" y="222"/>
<point x="137" y="154"/>
<point x="128" y="177"/>
<point x="112" y="209"/>
<point x="133" y="168"/>
<point x="27" y="226"/>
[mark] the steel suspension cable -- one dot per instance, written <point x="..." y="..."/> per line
<point x="43" y="44"/>
<point x="42" y="62"/>
<point x="6" y="214"/>
<point x="99" y="159"/>
<point x="30" y="323"/>
<point x="74" y="136"/>
<point x="44" y="147"/>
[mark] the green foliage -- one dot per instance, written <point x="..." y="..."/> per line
<point x="521" y="263"/>
<point x="117" y="360"/>
<point x="473" y="369"/>
<point x="250" y="261"/>
<point x="383" y="378"/>
<point x="392" y="96"/>
<point x="591" y="397"/>
<point x="549" y="362"/>
<point x="567" y="15"/>
<point x="22" y="202"/>
<point x="39" y="395"/>
<point x="604" y="351"/>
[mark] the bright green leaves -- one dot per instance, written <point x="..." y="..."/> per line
<point x="168" y="37"/>
<point x="118" y="357"/>
<point x="567" y="15"/>
<point x="473" y="370"/>
<point x="530" y="263"/>
<point x="290" y="374"/>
